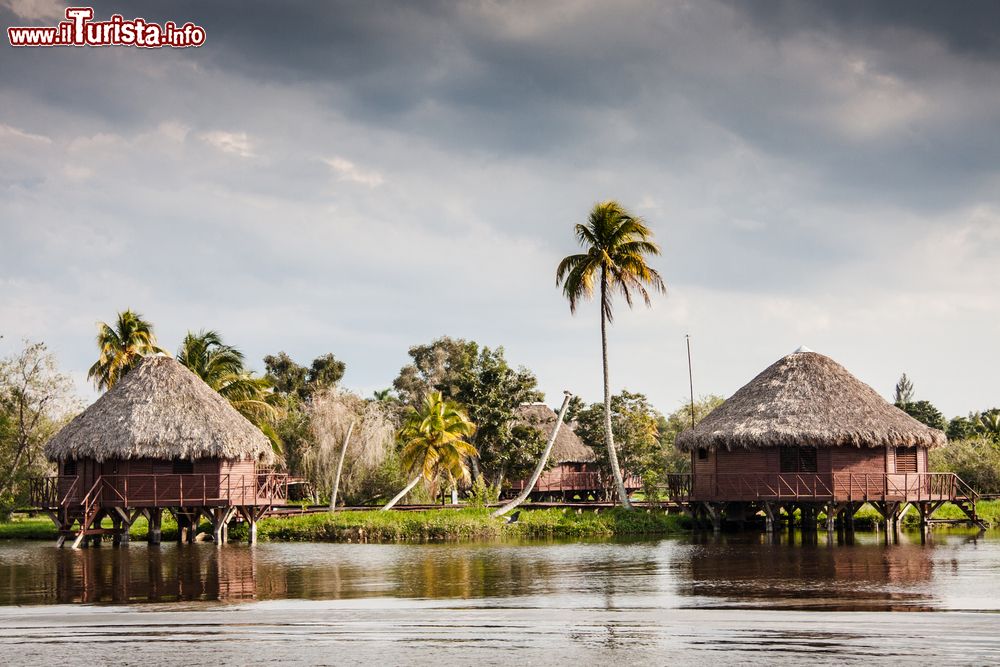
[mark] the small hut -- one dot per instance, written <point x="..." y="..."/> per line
<point x="807" y="434"/>
<point x="159" y="439"/>
<point x="575" y="471"/>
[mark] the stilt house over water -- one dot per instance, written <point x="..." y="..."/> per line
<point x="806" y="434"/>
<point x="160" y="439"/>
<point x="575" y="471"/>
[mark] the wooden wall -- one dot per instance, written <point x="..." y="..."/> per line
<point x="847" y="472"/>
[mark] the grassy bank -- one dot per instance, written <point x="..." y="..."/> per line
<point x="465" y="524"/>
<point x="41" y="528"/>
<point x="424" y="526"/>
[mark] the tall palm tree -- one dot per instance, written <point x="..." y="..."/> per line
<point x="617" y="244"/>
<point x="433" y="443"/>
<point x="121" y="347"/>
<point x="221" y="367"/>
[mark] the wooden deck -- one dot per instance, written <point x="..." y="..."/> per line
<point x="219" y="497"/>
<point x="160" y="490"/>
<point x="840" y="487"/>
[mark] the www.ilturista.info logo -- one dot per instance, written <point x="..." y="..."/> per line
<point x="79" y="30"/>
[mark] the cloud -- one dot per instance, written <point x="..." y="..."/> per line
<point x="13" y="134"/>
<point x="819" y="175"/>
<point x="348" y="171"/>
<point x="236" y="143"/>
<point x="34" y="10"/>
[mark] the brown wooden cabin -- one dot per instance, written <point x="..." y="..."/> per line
<point x="575" y="471"/>
<point x="160" y="439"/>
<point x="807" y="434"/>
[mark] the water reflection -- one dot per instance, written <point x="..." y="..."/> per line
<point x="728" y="571"/>
<point x="134" y="574"/>
<point x="747" y="570"/>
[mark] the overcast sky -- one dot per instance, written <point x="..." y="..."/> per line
<point x="367" y="176"/>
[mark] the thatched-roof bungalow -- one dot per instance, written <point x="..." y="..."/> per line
<point x="575" y="471"/>
<point x="159" y="439"/>
<point x="806" y="430"/>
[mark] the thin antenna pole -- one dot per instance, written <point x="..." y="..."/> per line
<point x="687" y="337"/>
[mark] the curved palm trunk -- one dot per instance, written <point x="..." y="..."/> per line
<point x="340" y="468"/>
<point x="529" y="487"/>
<point x="399" y="496"/>
<point x="608" y="436"/>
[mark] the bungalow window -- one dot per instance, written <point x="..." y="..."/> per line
<point x="702" y="454"/>
<point x="69" y="468"/>
<point x="798" y="459"/>
<point x="183" y="467"/>
<point x="906" y="459"/>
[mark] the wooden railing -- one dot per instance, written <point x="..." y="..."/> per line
<point x="161" y="490"/>
<point x="839" y="486"/>
<point x="558" y="480"/>
<point x="45" y="491"/>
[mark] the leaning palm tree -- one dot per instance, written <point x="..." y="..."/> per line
<point x="221" y="367"/>
<point x="616" y="244"/>
<point x="122" y="346"/>
<point x="433" y="443"/>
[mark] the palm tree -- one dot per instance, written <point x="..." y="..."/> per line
<point x="988" y="425"/>
<point x="221" y="367"/>
<point x="616" y="244"/>
<point x="433" y="443"/>
<point x="121" y="347"/>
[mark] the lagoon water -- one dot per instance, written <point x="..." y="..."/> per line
<point x="734" y="599"/>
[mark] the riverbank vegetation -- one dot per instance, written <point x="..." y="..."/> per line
<point x="464" y="524"/>
<point x="410" y="526"/>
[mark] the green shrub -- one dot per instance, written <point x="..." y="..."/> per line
<point x="975" y="460"/>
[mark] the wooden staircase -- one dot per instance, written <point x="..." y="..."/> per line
<point x="89" y="515"/>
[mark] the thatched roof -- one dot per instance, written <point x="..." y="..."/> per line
<point x="160" y="410"/>
<point x="568" y="447"/>
<point x="807" y="399"/>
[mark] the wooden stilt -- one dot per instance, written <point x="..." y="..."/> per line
<point x="182" y="525"/>
<point x="770" y="512"/>
<point x="155" y="525"/>
<point x="714" y="513"/>
<point x="220" y="522"/>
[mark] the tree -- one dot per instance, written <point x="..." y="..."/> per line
<point x="482" y="380"/>
<point x="988" y="425"/>
<point x="542" y="461"/>
<point x="384" y="395"/>
<point x="635" y="427"/>
<point x="435" y="367"/>
<point x="675" y="461"/>
<point x="433" y="440"/>
<point x="121" y="347"/>
<point x="35" y="401"/>
<point x="491" y="391"/>
<point x="925" y="413"/>
<point x="324" y="372"/>
<point x="976" y="460"/>
<point x="961" y="428"/>
<point x="904" y="392"/>
<point x="352" y="439"/>
<point x="617" y="244"/>
<point x="291" y="379"/>
<point x="209" y="358"/>
<point x="286" y="376"/>
<point x="221" y="367"/>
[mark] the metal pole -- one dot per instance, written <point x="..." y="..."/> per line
<point x="687" y="338"/>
